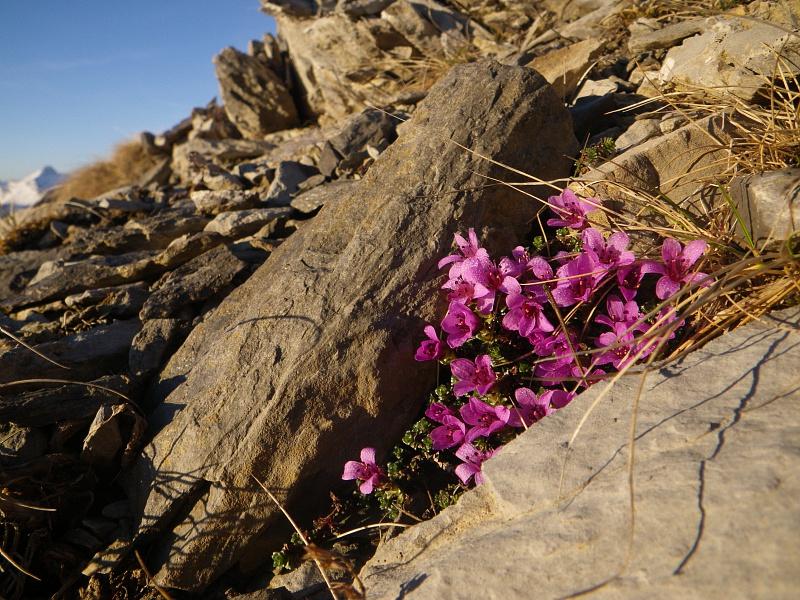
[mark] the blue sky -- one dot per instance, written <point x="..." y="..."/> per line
<point x="76" y="77"/>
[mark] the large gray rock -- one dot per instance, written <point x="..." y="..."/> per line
<point x="255" y="99"/>
<point x="736" y="56"/>
<point x="312" y="357"/>
<point x="769" y="205"/>
<point x="717" y="476"/>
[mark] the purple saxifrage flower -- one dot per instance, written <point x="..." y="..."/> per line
<point x="468" y="248"/>
<point x="450" y="433"/>
<point x="526" y="311"/>
<point x="578" y="280"/>
<point x="570" y="210"/>
<point x="366" y="471"/>
<point x="460" y="323"/>
<point x="611" y="253"/>
<point x="618" y="311"/>
<point x="487" y="279"/>
<point x="473" y="459"/>
<point x="473" y="376"/>
<point x="677" y="267"/>
<point x="629" y="277"/>
<point x="530" y="407"/>
<point x="430" y="349"/>
<point x="438" y="411"/>
<point x="485" y="419"/>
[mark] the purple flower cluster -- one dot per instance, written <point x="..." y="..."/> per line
<point x="520" y="301"/>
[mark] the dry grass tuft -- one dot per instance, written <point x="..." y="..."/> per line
<point x="127" y="164"/>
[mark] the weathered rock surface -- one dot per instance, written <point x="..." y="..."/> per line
<point x="288" y="175"/>
<point x="564" y="67"/>
<point x="314" y="198"/>
<point x="87" y="355"/>
<point x="239" y="223"/>
<point x="674" y="164"/>
<point x="769" y="204"/>
<point x="737" y="56"/>
<point x="197" y="280"/>
<point x="294" y="371"/>
<point x="150" y="346"/>
<point x="716" y="480"/>
<point x="349" y="147"/>
<point x="255" y="98"/>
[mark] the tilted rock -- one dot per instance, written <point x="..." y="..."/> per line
<point x="88" y="355"/>
<point x="769" y="204"/>
<point x="433" y="28"/>
<point x="311" y="200"/>
<point x="150" y="346"/>
<point x="195" y="281"/>
<point x="715" y="475"/>
<point x="564" y="67"/>
<point x="341" y="64"/>
<point x="288" y="176"/>
<point x="239" y="223"/>
<point x="674" y="164"/>
<point x="255" y="99"/>
<point x="212" y="203"/>
<point x="348" y="148"/>
<point x="312" y="357"/>
<point x="736" y="56"/>
<point x="649" y="34"/>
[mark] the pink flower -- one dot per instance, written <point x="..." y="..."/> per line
<point x="450" y="433"/>
<point x="578" y="280"/>
<point x="531" y="407"/>
<point x="468" y="248"/>
<point x="473" y="376"/>
<point x="526" y="313"/>
<point x="487" y="279"/>
<point x="485" y="419"/>
<point x="626" y="313"/>
<point x="677" y="267"/>
<point x="570" y="210"/>
<point x="630" y="277"/>
<point x="473" y="460"/>
<point x="438" y="411"/>
<point x="460" y="323"/>
<point x="430" y="349"/>
<point x="461" y="291"/>
<point x="366" y="471"/>
<point x="610" y="254"/>
<point x="622" y="347"/>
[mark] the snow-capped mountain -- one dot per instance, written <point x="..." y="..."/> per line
<point x="15" y="195"/>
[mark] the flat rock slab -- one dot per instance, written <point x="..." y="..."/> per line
<point x="240" y="223"/>
<point x="717" y="477"/>
<point x="312" y="357"/>
<point x="195" y="281"/>
<point x="87" y="355"/>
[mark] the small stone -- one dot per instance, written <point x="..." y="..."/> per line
<point x="20" y="444"/>
<point x="769" y="205"/>
<point x="564" y="67"/>
<point x="288" y="176"/>
<point x="641" y="130"/>
<point x="240" y="223"/>
<point x="196" y="281"/>
<point x="309" y="201"/>
<point x="214" y="202"/>
<point x="151" y="345"/>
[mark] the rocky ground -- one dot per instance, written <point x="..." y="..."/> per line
<point x="250" y="306"/>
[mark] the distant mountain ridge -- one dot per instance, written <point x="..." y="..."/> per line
<point x="21" y="193"/>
